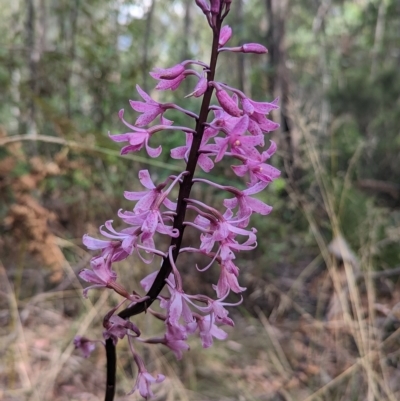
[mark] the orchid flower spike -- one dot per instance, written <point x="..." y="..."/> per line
<point x="167" y="206"/>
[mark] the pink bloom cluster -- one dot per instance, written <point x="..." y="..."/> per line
<point x="236" y="130"/>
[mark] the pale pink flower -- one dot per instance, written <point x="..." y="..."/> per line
<point x="149" y="221"/>
<point x="220" y="228"/>
<point x="239" y="143"/>
<point x="263" y="122"/>
<point x="101" y="274"/>
<point x="251" y="106"/>
<point x="228" y="279"/>
<point x="150" y="108"/>
<point x="178" y="307"/>
<point x="216" y="307"/>
<point x="247" y="205"/>
<point x="174" y="338"/>
<point x="143" y="382"/>
<point x="208" y="329"/>
<point x="85" y="345"/>
<point x="146" y="199"/>
<point x="147" y="214"/>
<point x="138" y="138"/>
<point x="121" y="244"/>
<point x="223" y="120"/>
<point x="148" y="281"/>
<point x="221" y="314"/>
<point x="229" y="245"/>
<point x="258" y="170"/>
<point x="176" y="346"/>
<point x="204" y="161"/>
<point x="117" y="328"/>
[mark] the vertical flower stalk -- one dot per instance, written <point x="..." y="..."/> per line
<point x="236" y="130"/>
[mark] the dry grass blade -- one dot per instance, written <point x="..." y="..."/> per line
<point x="358" y="318"/>
<point x="60" y="357"/>
<point x="21" y="346"/>
<point x="89" y="148"/>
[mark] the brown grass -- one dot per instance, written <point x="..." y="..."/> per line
<point x="345" y="349"/>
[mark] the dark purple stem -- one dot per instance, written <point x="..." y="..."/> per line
<point x="111" y="369"/>
<point x="184" y="193"/>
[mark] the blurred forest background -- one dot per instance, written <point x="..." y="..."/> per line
<point x="321" y="316"/>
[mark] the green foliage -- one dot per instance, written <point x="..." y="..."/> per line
<point x="92" y="53"/>
<point x="21" y="168"/>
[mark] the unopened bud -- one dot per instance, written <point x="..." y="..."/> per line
<point x="200" y="88"/>
<point x="203" y="5"/>
<point x="254" y="48"/>
<point x="227" y="103"/>
<point x="225" y="35"/>
<point x="215" y="6"/>
<point x="168" y="73"/>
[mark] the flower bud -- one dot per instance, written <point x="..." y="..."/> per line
<point x="200" y="88"/>
<point x="225" y="35"/>
<point x="202" y="4"/>
<point x="227" y="103"/>
<point x="254" y="48"/>
<point x="168" y="73"/>
<point x="215" y="5"/>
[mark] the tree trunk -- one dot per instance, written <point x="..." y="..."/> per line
<point x="240" y="56"/>
<point x="146" y="45"/>
<point x="74" y="20"/>
<point x="186" y="35"/>
<point x="32" y="65"/>
<point x="279" y="77"/>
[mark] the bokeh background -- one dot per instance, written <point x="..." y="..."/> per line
<point x="321" y="316"/>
